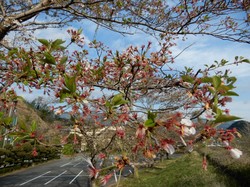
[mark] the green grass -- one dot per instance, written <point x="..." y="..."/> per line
<point x="184" y="171"/>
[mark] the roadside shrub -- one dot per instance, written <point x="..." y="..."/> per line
<point x="8" y="146"/>
<point x="68" y="149"/>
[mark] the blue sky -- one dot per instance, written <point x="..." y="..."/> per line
<point x="203" y="51"/>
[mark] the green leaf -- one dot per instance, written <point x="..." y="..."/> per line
<point x="246" y="60"/>
<point x="7" y="120"/>
<point x="63" y="60"/>
<point x="149" y="123"/>
<point x="79" y="31"/>
<point x="206" y="80"/>
<point x="216" y="82"/>
<point x="231" y="80"/>
<point x="118" y="100"/>
<point x="49" y="59"/>
<point x="187" y="78"/>
<point x="1" y="114"/>
<point x="152" y="115"/>
<point x="224" y="88"/>
<point x="64" y="93"/>
<point x="57" y="44"/>
<point x="13" y="51"/>
<point x="225" y="118"/>
<point x="223" y="62"/>
<point x="44" y="42"/>
<point x="19" y="138"/>
<point x="230" y="93"/>
<point x="108" y="104"/>
<point x="70" y="83"/>
<point x="33" y="126"/>
<point x="23" y="126"/>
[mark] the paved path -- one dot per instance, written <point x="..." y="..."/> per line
<point x="65" y="172"/>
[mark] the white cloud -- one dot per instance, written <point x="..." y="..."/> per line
<point x="206" y="50"/>
<point x="52" y="34"/>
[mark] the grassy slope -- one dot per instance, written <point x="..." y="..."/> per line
<point x="184" y="171"/>
<point x="26" y="114"/>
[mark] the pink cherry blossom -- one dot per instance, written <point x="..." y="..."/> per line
<point x="187" y="122"/>
<point x="167" y="146"/>
<point x="188" y="131"/>
<point x="209" y="114"/>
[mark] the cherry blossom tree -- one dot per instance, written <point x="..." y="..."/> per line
<point x="219" y="18"/>
<point x="115" y="118"/>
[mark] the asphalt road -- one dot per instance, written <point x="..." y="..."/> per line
<point x="65" y="172"/>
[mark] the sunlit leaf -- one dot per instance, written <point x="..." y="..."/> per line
<point x="225" y="118"/>
<point x="187" y="78"/>
<point x="13" y="51"/>
<point x="33" y="126"/>
<point x="23" y="126"/>
<point x="152" y="115"/>
<point x="223" y="62"/>
<point x="49" y="59"/>
<point x="70" y="83"/>
<point x="216" y="81"/>
<point x="118" y="100"/>
<point x="44" y="42"/>
<point x="246" y="60"/>
<point x="64" y="93"/>
<point x="206" y="80"/>
<point x="149" y="123"/>
<point x="230" y="93"/>
<point x="57" y="44"/>
<point x="63" y="59"/>
<point x="7" y="120"/>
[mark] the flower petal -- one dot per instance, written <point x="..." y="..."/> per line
<point x="187" y="122"/>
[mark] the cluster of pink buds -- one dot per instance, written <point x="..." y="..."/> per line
<point x="120" y="132"/>
<point x="34" y="152"/>
<point x="76" y="37"/>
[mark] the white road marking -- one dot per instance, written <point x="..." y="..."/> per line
<point x="65" y="164"/>
<point x="34" y="178"/>
<point x="55" y="177"/>
<point x="77" y="164"/>
<point x="75" y="177"/>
